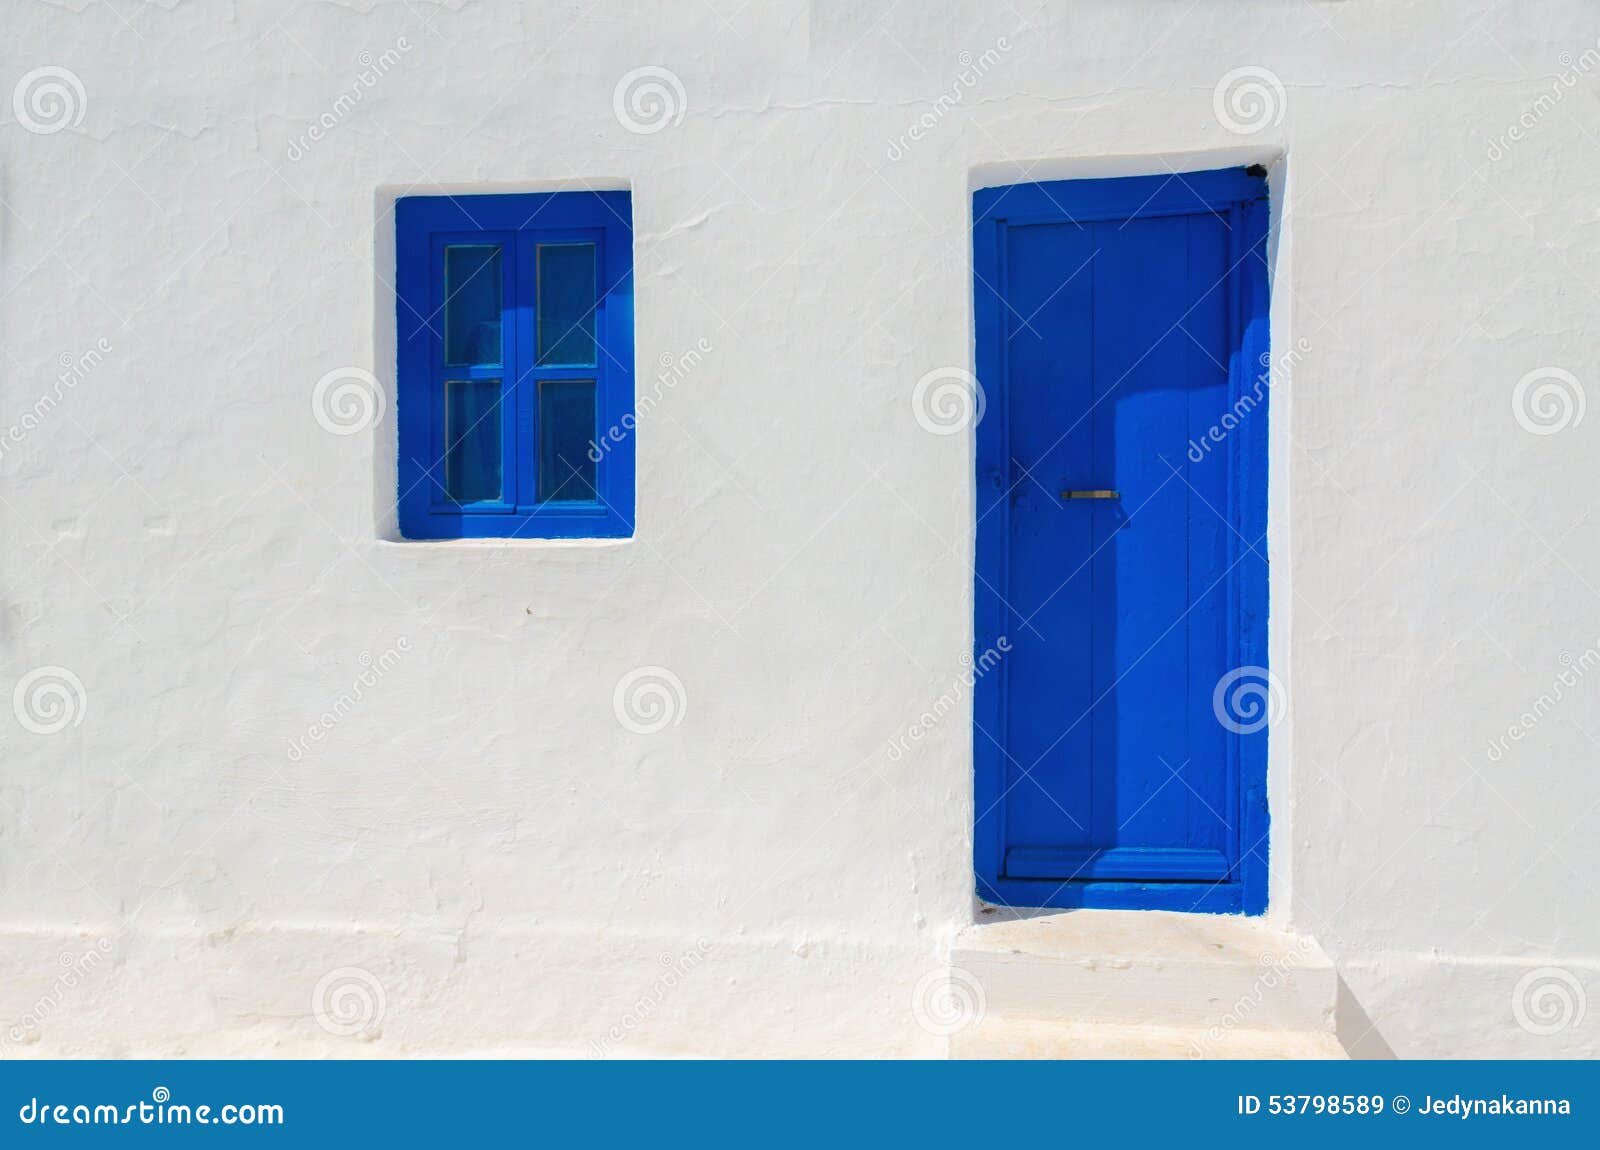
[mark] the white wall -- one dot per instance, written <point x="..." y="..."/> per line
<point x="503" y="864"/>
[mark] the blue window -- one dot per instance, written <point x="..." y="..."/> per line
<point x="515" y="320"/>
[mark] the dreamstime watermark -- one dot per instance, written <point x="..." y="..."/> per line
<point x="48" y="700"/>
<point x="1567" y="79"/>
<point x="349" y="1002"/>
<point x="49" y="99"/>
<point x="649" y="99"/>
<point x="648" y="700"/>
<point x="674" y="370"/>
<point x="1575" y="667"/>
<point x="348" y="400"/>
<point x="948" y="400"/>
<point x="1218" y="432"/>
<point x="74" y="370"/>
<point x="1548" y="1000"/>
<point x="373" y="69"/>
<point x="973" y="69"/>
<point x="947" y="1000"/>
<point x="1275" y="971"/>
<point x="75" y="970"/>
<point x="1548" y="400"/>
<point x="674" y="969"/>
<point x="372" y="672"/>
<point x="1248" y="100"/>
<point x="1247" y="699"/>
<point x="974" y="669"/>
<point x="160" y="1110"/>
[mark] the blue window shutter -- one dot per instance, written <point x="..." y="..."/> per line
<point x="515" y="327"/>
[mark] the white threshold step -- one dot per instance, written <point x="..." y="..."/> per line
<point x="1181" y="981"/>
<point x="1023" y="1038"/>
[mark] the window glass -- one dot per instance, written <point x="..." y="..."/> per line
<point x="472" y="304"/>
<point x="472" y="439"/>
<point x="566" y="304"/>
<point x="566" y="436"/>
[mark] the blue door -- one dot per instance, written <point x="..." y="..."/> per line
<point x="1121" y="551"/>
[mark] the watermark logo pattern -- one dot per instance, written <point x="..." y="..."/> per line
<point x="1249" y="100"/>
<point x="947" y="1001"/>
<point x="1247" y="699"/>
<point x="1548" y="400"/>
<point x="948" y="400"/>
<point x="48" y="700"/>
<point x="1548" y="1000"/>
<point x="649" y="699"/>
<point x="349" y="1002"/>
<point x="49" y="99"/>
<point x="347" y="400"/>
<point x="648" y="99"/>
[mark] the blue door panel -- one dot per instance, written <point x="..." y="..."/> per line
<point x="1110" y="339"/>
<point x="1210" y="791"/>
<point x="1050" y="277"/>
<point x="1137" y="655"/>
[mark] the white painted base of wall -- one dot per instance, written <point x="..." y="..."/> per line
<point x="1407" y="1005"/>
<point x="542" y="991"/>
<point x="1089" y="984"/>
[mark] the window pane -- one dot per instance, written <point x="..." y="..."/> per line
<point x="472" y="304"/>
<point x="472" y="439"/>
<point x="566" y="304"/>
<point x="566" y="436"/>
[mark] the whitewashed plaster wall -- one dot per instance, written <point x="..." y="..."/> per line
<point x="477" y="855"/>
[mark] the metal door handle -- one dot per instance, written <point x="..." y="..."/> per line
<point x="1099" y="494"/>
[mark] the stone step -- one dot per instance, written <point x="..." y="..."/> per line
<point x="995" y="1037"/>
<point x="1210" y="974"/>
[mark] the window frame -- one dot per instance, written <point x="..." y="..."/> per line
<point x="520" y="224"/>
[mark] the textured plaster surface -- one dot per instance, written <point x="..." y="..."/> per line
<point x="507" y="864"/>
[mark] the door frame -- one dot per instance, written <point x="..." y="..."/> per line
<point x="1241" y="195"/>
